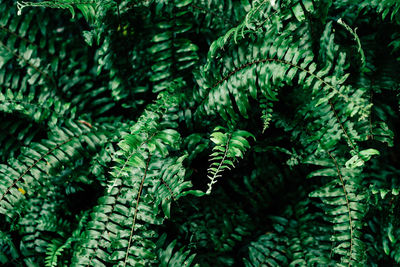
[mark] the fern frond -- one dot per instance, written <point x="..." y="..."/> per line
<point x="173" y="54"/>
<point x="269" y="250"/>
<point x="39" y="160"/>
<point x="140" y="167"/>
<point x="54" y="250"/>
<point x="272" y="68"/>
<point x="50" y="108"/>
<point x="218" y="16"/>
<point x="16" y="134"/>
<point x="228" y="148"/>
<point x="8" y="251"/>
<point x="217" y="233"/>
<point x="357" y="39"/>
<point x="267" y="112"/>
<point x="385" y="8"/>
<point x="36" y="239"/>
<point x="168" y="257"/>
<point x="107" y="120"/>
<point x="345" y="204"/>
<point x="23" y="60"/>
<point x="299" y="238"/>
<point x="86" y="7"/>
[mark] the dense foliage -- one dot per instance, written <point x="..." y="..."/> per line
<point x="199" y="133"/>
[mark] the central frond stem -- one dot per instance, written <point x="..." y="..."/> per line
<point x="136" y="210"/>
<point x="35" y="105"/>
<point x="17" y="35"/>
<point x="220" y="164"/>
<point x="46" y="75"/>
<point x="341" y="126"/>
<point x="119" y="190"/>
<point x="134" y="153"/>
<point x="347" y="203"/>
<point x="168" y="188"/>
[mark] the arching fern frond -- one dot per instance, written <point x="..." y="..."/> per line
<point x="50" y="109"/>
<point x="226" y="82"/>
<point x="38" y="161"/>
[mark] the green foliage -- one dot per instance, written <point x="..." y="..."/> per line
<point x="295" y="240"/>
<point x="86" y="8"/>
<point x="169" y="257"/>
<point x="118" y="118"/>
<point x="172" y="53"/>
<point x="228" y="147"/>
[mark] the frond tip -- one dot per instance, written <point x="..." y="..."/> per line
<point x="229" y="147"/>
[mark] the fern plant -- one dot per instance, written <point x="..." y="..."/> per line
<point x="199" y="133"/>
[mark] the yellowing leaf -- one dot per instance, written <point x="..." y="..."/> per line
<point x="21" y="190"/>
